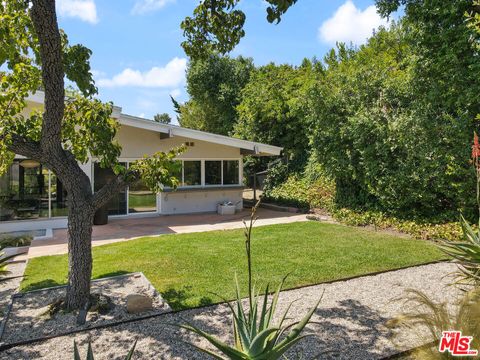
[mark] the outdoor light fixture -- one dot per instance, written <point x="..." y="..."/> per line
<point x="29" y="164"/>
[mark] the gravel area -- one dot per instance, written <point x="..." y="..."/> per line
<point x="8" y="288"/>
<point x="28" y="319"/>
<point x="351" y="320"/>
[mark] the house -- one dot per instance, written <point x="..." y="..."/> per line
<point x="31" y="197"/>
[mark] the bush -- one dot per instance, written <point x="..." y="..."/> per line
<point x="15" y="241"/>
<point x="320" y="193"/>
<point x="303" y="194"/>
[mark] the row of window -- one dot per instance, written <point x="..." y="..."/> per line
<point x="138" y="198"/>
<point x="217" y="172"/>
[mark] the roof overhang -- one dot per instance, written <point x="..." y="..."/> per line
<point x="168" y="130"/>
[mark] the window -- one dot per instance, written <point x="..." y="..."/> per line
<point x="213" y="172"/>
<point x="231" y="172"/>
<point x="192" y="173"/>
<point x="141" y="199"/>
<point x="118" y="204"/>
<point x="28" y="190"/>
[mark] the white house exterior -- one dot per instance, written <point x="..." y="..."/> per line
<point x="32" y="198"/>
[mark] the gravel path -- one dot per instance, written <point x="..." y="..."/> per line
<point x="8" y="288"/>
<point x="352" y="315"/>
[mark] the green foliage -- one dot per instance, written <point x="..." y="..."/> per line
<point x="427" y="320"/>
<point x="255" y="334"/>
<point x="163" y="118"/>
<point x="418" y="228"/>
<point x="214" y="85"/>
<point x="14" y="241"/>
<point x="272" y="109"/>
<point x="157" y="170"/>
<point x="466" y="253"/>
<point x="216" y="26"/>
<point x="302" y="193"/>
<point x="76" y="353"/>
<point x="389" y="127"/>
<point x="87" y="126"/>
<point x="256" y="337"/>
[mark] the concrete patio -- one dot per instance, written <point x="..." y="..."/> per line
<point x="125" y="229"/>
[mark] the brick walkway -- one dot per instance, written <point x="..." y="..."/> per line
<point x="128" y="229"/>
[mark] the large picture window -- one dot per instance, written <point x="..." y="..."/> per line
<point x="141" y="199"/>
<point x="192" y="173"/>
<point x="213" y="173"/>
<point x="231" y="172"/>
<point x="28" y="190"/>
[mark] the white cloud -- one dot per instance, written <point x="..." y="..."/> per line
<point x="146" y="6"/>
<point x="85" y="10"/>
<point x="171" y="75"/>
<point x="350" y="24"/>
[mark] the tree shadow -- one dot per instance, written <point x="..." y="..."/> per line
<point x="44" y="284"/>
<point x="349" y="330"/>
<point x="178" y="298"/>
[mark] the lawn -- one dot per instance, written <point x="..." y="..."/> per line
<point x="190" y="269"/>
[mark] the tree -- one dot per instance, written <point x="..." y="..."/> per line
<point x="72" y="126"/>
<point x="271" y="108"/>
<point x="214" y="85"/>
<point x="163" y="118"/>
<point x="37" y="55"/>
<point x="392" y="120"/>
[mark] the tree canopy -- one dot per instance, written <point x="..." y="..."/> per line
<point x="214" y="85"/>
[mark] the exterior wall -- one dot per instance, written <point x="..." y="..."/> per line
<point x="194" y="201"/>
<point x="138" y="142"/>
<point x="37" y="224"/>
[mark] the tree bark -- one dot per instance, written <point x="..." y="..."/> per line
<point x="80" y="222"/>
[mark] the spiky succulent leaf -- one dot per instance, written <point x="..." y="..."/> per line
<point x="220" y="345"/>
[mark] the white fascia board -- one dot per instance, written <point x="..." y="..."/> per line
<point x="261" y="149"/>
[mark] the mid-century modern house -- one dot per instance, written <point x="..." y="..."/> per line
<point x="31" y="197"/>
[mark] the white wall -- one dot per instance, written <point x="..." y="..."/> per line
<point x="138" y="142"/>
<point x="194" y="201"/>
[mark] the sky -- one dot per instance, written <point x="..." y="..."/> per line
<point x="138" y="62"/>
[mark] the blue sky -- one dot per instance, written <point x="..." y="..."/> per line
<point x="138" y="61"/>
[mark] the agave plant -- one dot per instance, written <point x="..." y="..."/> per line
<point x="254" y="332"/>
<point x="436" y="318"/>
<point x="76" y="353"/>
<point x="466" y="254"/>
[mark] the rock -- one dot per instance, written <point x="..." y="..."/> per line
<point x="137" y="303"/>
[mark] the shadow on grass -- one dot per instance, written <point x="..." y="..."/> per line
<point x="111" y="274"/>
<point x="44" y="284"/>
<point x="178" y="298"/>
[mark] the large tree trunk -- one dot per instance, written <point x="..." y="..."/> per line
<point x="80" y="222"/>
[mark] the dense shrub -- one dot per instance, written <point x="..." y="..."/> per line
<point x="306" y="194"/>
<point x="300" y="192"/>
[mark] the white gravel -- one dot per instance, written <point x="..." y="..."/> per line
<point x="27" y="319"/>
<point x="8" y="288"/>
<point x="352" y="315"/>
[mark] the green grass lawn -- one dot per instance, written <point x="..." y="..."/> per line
<point x="188" y="269"/>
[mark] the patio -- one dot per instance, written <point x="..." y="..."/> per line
<point x="123" y="229"/>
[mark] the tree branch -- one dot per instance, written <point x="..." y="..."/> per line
<point x="44" y="20"/>
<point x="25" y="147"/>
<point x="102" y="196"/>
